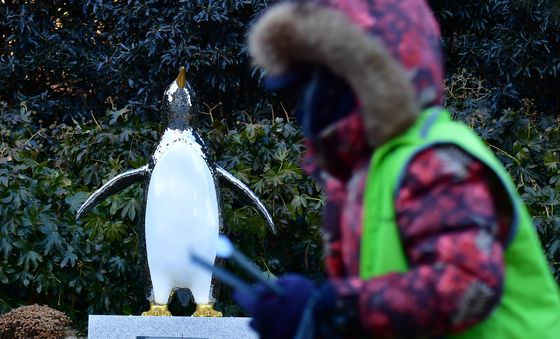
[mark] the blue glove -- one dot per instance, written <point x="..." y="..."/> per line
<point x="279" y="316"/>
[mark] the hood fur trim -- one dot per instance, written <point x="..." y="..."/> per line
<point x="291" y="33"/>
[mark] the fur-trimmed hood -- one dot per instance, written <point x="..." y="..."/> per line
<point x="392" y="76"/>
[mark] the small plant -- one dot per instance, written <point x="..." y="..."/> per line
<point x="33" y="321"/>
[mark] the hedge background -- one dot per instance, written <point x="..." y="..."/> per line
<point x="80" y="87"/>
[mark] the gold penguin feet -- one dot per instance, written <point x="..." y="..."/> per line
<point x="157" y="310"/>
<point x="206" y="310"/>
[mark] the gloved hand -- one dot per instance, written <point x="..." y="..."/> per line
<point x="279" y="316"/>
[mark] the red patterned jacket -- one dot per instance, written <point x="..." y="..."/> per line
<point x="452" y="229"/>
<point x="449" y="207"/>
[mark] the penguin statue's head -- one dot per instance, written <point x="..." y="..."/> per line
<point x="177" y="105"/>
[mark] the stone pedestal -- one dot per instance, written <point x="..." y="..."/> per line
<point x="138" y="327"/>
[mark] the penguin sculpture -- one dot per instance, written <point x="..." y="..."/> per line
<point x="182" y="214"/>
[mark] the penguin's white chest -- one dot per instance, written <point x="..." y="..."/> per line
<point x="181" y="217"/>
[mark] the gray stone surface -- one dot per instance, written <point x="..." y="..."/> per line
<point x="122" y="327"/>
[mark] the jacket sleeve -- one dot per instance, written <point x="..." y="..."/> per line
<point x="450" y="219"/>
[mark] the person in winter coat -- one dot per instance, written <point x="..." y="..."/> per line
<point x="425" y="234"/>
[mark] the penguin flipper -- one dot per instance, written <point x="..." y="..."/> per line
<point x="116" y="184"/>
<point x="241" y="187"/>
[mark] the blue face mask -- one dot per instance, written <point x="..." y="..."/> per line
<point x="324" y="98"/>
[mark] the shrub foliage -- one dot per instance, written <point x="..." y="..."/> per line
<point x="80" y="88"/>
<point x="69" y="58"/>
<point x="514" y="44"/>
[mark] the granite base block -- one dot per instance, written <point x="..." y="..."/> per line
<point x="137" y="327"/>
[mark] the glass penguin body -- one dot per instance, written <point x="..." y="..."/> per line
<point x="181" y="202"/>
<point x="182" y="216"/>
<point x="182" y="213"/>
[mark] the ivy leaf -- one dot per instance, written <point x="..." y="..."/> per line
<point x="117" y="263"/>
<point x="274" y="178"/>
<point x="281" y="153"/>
<point x="53" y="239"/>
<point x="5" y="247"/>
<point x="95" y="224"/>
<point x="116" y="114"/>
<point x="4" y="180"/>
<point x="260" y="186"/>
<point x="299" y="201"/>
<point x="115" y="231"/>
<point x="69" y="257"/>
<point x="47" y="223"/>
<point x="11" y="196"/>
<point x="76" y="200"/>
<point x="554" y="247"/>
<point x="115" y="205"/>
<point x="551" y="161"/>
<point x="75" y="283"/>
<point x="3" y="277"/>
<point x="25" y="277"/>
<point x="30" y="258"/>
<point x="129" y="209"/>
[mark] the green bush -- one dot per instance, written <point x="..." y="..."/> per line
<point x="266" y="155"/>
<point x="80" y="90"/>
<point x="70" y="58"/>
<point x="46" y="256"/>
<point x="513" y="45"/>
<point x="91" y="266"/>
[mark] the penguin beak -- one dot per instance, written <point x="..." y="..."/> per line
<point x="181" y="78"/>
